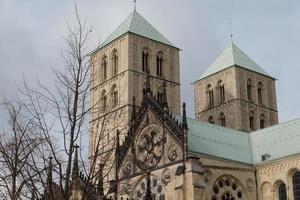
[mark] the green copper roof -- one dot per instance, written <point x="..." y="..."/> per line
<point x="278" y="141"/>
<point x="217" y="141"/>
<point x="233" y="55"/>
<point x="136" y="24"/>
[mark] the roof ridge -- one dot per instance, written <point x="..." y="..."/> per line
<point x="216" y="126"/>
<point x="132" y="19"/>
<point x="232" y="51"/>
<point x="276" y="126"/>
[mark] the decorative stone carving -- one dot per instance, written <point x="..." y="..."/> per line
<point x="149" y="147"/>
<point x="250" y="184"/>
<point x="128" y="187"/>
<point x="166" y="176"/>
<point x="207" y="177"/>
<point x="156" y="188"/>
<point x="127" y="168"/>
<point x="227" y="188"/>
<point x="172" y="152"/>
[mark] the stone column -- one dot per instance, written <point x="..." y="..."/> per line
<point x="194" y="179"/>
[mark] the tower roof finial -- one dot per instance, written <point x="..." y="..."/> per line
<point x="231" y="30"/>
<point x="184" y="118"/>
<point x="134" y="2"/>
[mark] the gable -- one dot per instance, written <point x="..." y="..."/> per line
<point x="152" y="146"/>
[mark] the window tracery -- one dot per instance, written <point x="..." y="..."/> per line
<point x="227" y="188"/>
<point x="104" y="68"/>
<point x="149" y="147"/>
<point x="145" y="59"/>
<point x="159" y="64"/>
<point x="157" y="189"/>
<point x="210" y="92"/>
<point x="221" y="91"/>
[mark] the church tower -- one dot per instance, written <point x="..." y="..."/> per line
<point x="119" y="67"/>
<point x="236" y="92"/>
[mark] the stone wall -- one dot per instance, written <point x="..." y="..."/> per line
<point x="271" y="174"/>
<point x="222" y="176"/>
<point x="129" y="82"/>
<point x="236" y="106"/>
<point x="170" y="70"/>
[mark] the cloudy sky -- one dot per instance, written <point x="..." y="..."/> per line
<point x="268" y="31"/>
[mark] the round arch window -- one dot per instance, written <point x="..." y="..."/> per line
<point x="227" y="188"/>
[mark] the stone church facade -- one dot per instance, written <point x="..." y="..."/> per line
<point x="234" y="149"/>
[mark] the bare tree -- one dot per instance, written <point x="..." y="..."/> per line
<point x="20" y="168"/>
<point x="61" y="115"/>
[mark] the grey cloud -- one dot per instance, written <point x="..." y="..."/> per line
<point x="268" y="31"/>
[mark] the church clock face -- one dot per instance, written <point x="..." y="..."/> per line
<point x="149" y="147"/>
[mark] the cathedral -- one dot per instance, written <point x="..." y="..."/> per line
<point x="234" y="148"/>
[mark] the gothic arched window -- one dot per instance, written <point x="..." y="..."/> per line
<point x="262" y="121"/>
<point x="259" y="93"/>
<point x="282" y="194"/>
<point x="145" y="58"/>
<point x="114" y="96"/>
<point x="211" y="120"/>
<point x="221" y="91"/>
<point x="210" y="92"/>
<point x="159" y="97"/>
<point x="159" y="62"/>
<point x="104" y="68"/>
<point x="222" y="119"/>
<point x="249" y="92"/>
<point x="115" y="62"/>
<point x="103" y="101"/>
<point x="296" y="185"/>
<point x="251" y="120"/>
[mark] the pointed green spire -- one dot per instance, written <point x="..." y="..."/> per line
<point x="231" y="56"/>
<point x="138" y="25"/>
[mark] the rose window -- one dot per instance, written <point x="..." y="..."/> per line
<point x="149" y="147"/>
<point x="226" y="188"/>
